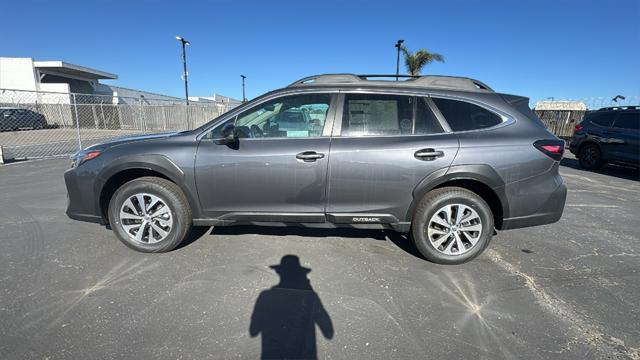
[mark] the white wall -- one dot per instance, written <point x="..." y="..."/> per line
<point x="17" y="73"/>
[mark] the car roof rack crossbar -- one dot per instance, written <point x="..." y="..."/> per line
<point x="428" y="81"/>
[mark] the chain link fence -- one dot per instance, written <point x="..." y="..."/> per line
<point x="561" y="116"/>
<point x="45" y="124"/>
<point x="36" y="124"/>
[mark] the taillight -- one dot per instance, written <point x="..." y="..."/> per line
<point x="552" y="148"/>
<point x="578" y="127"/>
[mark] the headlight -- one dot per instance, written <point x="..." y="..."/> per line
<point x="83" y="156"/>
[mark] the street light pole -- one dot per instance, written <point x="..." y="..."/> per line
<point x="184" y="66"/>
<point x="244" y="98"/>
<point x="398" y="46"/>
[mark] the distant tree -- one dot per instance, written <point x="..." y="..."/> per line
<point x="416" y="61"/>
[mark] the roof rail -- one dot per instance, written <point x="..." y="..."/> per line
<point x="621" y="107"/>
<point x="428" y="81"/>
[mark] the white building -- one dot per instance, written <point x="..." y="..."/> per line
<point x="55" y="81"/>
<point x="72" y="95"/>
<point x="51" y="76"/>
<point x="224" y="102"/>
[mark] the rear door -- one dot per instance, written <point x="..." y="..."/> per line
<point x="626" y="128"/>
<point x="383" y="145"/>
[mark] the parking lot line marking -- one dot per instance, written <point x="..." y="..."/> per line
<point x="593" y="205"/>
<point x="581" y="328"/>
<point x="578" y="177"/>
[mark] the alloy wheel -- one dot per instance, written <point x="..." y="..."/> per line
<point x="454" y="229"/>
<point x="589" y="155"/>
<point x="146" y="218"/>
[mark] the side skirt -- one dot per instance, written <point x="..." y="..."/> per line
<point x="311" y="220"/>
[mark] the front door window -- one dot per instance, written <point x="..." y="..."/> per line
<point x="289" y="116"/>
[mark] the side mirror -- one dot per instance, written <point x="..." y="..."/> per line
<point x="228" y="135"/>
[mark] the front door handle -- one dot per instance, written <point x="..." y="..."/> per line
<point x="308" y="156"/>
<point x="428" y="154"/>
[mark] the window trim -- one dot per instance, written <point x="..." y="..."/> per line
<point x="438" y="114"/>
<point x="506" y="118"/>
<point x="233" y="114"/>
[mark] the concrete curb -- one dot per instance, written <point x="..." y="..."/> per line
<point x="5" y="157"/>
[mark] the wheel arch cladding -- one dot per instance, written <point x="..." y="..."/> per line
<point x="128" y="168"/>
<point x="588" y="142"/>
<point x="481" y="179"/>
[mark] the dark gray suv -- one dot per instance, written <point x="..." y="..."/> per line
<point x="608" y="135"/>
<point x="446" y="159"/>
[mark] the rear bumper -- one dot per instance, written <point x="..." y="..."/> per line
<point x="548" y="213"/>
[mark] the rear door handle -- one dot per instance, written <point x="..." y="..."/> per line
<point x="308" y="156"/>
<point x="428" y="154"/>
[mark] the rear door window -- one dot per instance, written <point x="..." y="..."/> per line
<point x="385" y="115"/>
<point x="629" y="120"/>
<point x="602" y="119"/>
<point x="463" y="116"/>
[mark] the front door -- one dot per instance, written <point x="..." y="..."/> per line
<point x="277" y="169"/>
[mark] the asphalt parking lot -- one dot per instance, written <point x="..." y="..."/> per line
<point x="68" y="289"/>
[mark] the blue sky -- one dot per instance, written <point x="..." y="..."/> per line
<point x="561" y="49"/>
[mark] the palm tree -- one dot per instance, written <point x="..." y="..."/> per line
<point x="416" y="61"/>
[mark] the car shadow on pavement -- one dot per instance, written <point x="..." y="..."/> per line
<point x="196" y="233"/>
<point x="403" y="242"/>
<point x="400" y="240"/>
<point x="623" y="172"/>
<point x="285" y="316"/>
<point x="298" y="231"/>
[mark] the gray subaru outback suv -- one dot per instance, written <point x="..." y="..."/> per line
<point x="446" y="159"/>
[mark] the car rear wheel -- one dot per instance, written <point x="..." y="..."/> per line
<point x="590" y="157"/>
<point x="150" y="214"/>
<point x="452" y="225"/>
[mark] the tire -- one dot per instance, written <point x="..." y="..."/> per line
<point x="426" y="233"/>
<point x="161" y="193"/>
<point x="590" y="157"/>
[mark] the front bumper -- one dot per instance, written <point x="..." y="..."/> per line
<point x="82" y="203"/>
<point x="548" y="213"/>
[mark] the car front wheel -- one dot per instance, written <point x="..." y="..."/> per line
<point x="150" y="214"/>
<point x="452" y="225"/>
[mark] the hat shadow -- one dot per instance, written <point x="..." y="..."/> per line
<point x="287" y="314"/>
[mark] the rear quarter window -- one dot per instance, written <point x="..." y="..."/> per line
<point x="463" y="116"/>
<point x="602" y="119"/>
<point x="628" y="120"/>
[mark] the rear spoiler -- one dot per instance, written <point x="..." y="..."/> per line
<point x="521" y="104"/>
<point x="515" y="100"/>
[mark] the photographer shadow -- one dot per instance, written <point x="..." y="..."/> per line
<point x="286" y="315"/>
